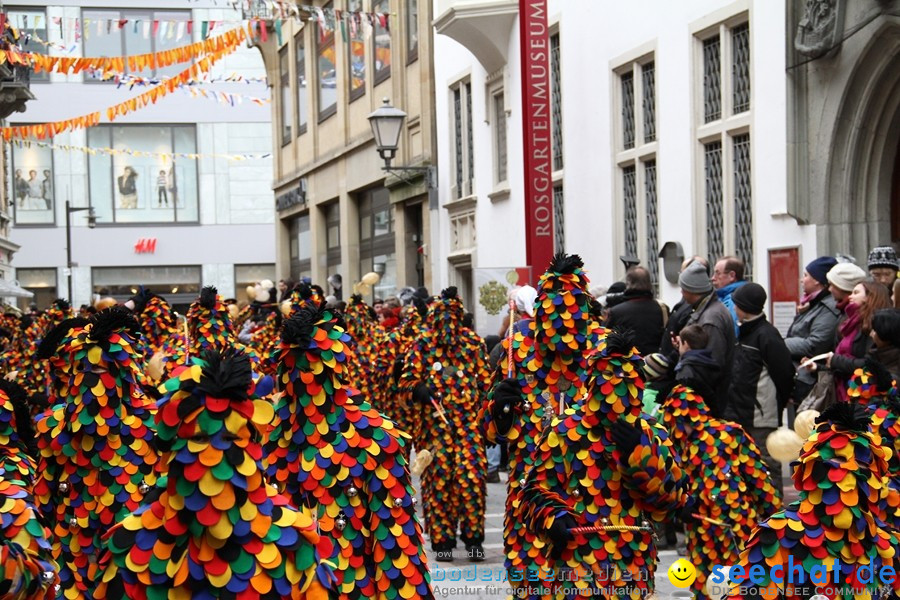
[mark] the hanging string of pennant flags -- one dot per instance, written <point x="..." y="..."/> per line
<point x="151" y="96"/>
<point x="139" y="153"/>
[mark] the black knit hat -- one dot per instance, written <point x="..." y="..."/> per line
<point x="750" y="298"/>
<point x="883" y="256"/>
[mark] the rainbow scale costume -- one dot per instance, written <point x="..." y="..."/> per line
<point x="551" y="368"/>
<point x="336" y="455"/>
<point x="449" y="361"/>
<point x="365" y="335"/>
<point x="839" y="516"/>
<point x="216" y="530"/>
<point x="159" y="327"/>
<point x="98" y="455"/>
<point x="729" y="488"/>
<point x="581" y="475"/>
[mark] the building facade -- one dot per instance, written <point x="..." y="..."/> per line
<point x="669" y="135"/>
<point x="163" y="220"/>
<point x="338" y="214"/>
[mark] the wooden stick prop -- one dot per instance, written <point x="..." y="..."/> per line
<point x="509" y="339"/>
<point x="187" y="342"/>
<point x="602" y="528"/>
<point x="440" y="410"/>
<point x="708" y="520"/>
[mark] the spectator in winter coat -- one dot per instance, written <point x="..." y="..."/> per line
<point x="679" y="315"/>
<point x="812" y="331"/>
<point x="714" y="318"/>
<point x="762" y="376"/>
<point x="854" y="341"/>
<point x="883" y="266"/>
<point x="728" y="275"/>
<point x="639" y="312"/>
<point x="697" y="369"/>
<point x="886" y="335"/>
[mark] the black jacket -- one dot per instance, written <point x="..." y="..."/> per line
<point x="762" y="376"/>
<point x="643" y="315"/>
<point x="699" y="371"/>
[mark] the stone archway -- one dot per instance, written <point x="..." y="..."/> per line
<point x="864" y="150"/>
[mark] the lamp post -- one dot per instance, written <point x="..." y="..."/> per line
<point x="387" y="125"/>
<point x="92" y="222"/>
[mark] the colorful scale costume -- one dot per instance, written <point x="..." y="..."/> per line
<point x="209" y="328"/>
<point x="216" y="530"/>
<point x="339" y="456"/>
<point x="580" y="473"/>
<point x="727" y="479"/>
<point x="265" y="341"/>
<point x="450" y="360"/>
<point x="841" y="479"/>
<point x="32" y="375"/>
<point x="158" y="323"/>
<point x="873" y="387"/>
<point x="550" y="362"/>
<point x="97" y="444"/>
<point x="17" y="463"/>
<point x="365" y="335"/>
<point x="27" y="572"/>
<point x="396" y="404"/>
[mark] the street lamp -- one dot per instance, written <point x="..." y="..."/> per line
<point x="92" y="222"/>
<point x="387" y="125"/>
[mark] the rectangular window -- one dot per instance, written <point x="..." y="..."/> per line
<point x="712" y="80"/>
<point x="155" y="186"/>
<point x="245" y="275"/>
<point x="127" y="32"/>
<point x="284" y="69"/>
<point x="356" y="54"/>
<point x="302" y="89"/>
<point x="412" y="30"/>
<point x="376" y="234"/>
<point x="332" y="214"/>
<point x="31" y="24"/>
<point x="301" y="247"/>
<point x="31" y="186"/>
<point x="180" y="285"/>
<point x="651" y="212"/>
<point x="559" y="219"/>
<point x="40" y="282"/>
<point x="740" y="68"/>
<point x="382" y="39"/>
<point x="628" y="110"/>
<point x="463" y="159"/>
<point x="743" y="205"/>
<point x="325" y="53"/>
<point x="629" y="194"/>
<point x="499" y="119"/>
<point x="715" y="220"/>
<point x="556" y="102"/>
<point x="648" y="73"/>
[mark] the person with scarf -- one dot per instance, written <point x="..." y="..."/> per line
<point x="729" y="488"/>
<point x="839" y="515"/>
<point x="330" y="451"/>
<point x="600" y="466"/>
<point x="215" y="528"/>
<point x="550" y="373"/>
<point x="98" y="457"/>
<point x="446" y="370"/>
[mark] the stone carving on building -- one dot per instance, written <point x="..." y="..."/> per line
<point x="821" y="27"/>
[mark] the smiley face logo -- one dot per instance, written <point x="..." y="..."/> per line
<point x="682" y="573"/>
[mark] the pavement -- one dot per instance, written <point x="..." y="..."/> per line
<point x="464" y="580"/>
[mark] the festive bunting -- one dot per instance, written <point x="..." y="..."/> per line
<point x="141" y="153"/>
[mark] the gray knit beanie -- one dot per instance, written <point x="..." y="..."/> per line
<point x="695" y="279"/>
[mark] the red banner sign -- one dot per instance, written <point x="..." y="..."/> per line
<point x="536" y="125"/>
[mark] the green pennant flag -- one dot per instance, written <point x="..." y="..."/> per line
<point x="278" y="30"/>
<point x="204" y="28"/>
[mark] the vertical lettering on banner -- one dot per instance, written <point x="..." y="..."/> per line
<point x="535" y="47"/>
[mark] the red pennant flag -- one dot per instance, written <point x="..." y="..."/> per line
<point x="155" y="27"/>
<point x="190" y="27"/>
<point x="263" y="34"/>
<point x="122" y="23"/>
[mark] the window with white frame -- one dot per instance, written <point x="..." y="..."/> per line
<point x="636" y="148"/>
<point x="497" y="115"/>
<point x="463" y="150"/>
<point x="723" y="118"/>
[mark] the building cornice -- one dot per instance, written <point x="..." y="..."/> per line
<point x="482" y="27"/>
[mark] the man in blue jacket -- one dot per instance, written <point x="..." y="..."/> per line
<point x="728" y="275"/>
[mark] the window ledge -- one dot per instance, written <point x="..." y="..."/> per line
<point x="461" y="204"/>
<point x="500" y="194"/>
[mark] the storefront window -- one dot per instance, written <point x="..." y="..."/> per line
<point x="301" y="249"/>
<point x="31" y="185"/>
<point x="42" y="283"/>
<point x="333" y="238"/>
<point x="178" y="285"/>
<point x="245" y="275"/>
<point x="376" y="240"/>
<point x="156" y="187"/>
<point x="32" y="29"/>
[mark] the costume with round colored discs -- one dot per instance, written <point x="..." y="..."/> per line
<point x="216" y="530"/>
<point x="338" y="456"/>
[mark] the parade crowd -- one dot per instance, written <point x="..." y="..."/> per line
<point x="267" y="449"/>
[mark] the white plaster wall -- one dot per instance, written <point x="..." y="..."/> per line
<point x="592" y="35"/>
